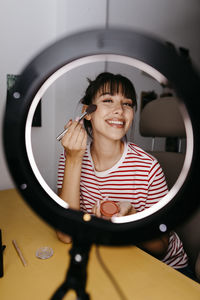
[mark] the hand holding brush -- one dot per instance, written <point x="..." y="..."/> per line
<point x="91" y="108"/>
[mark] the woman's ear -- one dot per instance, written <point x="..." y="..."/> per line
<point x="88" y="117"/>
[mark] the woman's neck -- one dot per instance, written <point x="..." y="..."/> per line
<point x="106" y="154"/>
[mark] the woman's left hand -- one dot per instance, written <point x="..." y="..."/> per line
<point x="125" y="208"/>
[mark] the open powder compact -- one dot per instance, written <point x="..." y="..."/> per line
<point x="109" y="208"/>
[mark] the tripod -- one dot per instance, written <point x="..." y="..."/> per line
<point x="2" y="247"/>
<point x="76" y="274"/>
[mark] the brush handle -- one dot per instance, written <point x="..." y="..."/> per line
<point x="60" y="136"/>
<point x="19" y="253"/>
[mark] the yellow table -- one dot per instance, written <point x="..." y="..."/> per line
<point x="139" y="275"/>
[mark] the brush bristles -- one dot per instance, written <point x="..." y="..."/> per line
<point x="91" y="108"/>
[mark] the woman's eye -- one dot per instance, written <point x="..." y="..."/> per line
<point x="107" y="100"/>
<point x="128" y="104"/>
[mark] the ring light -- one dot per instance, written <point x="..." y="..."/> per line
<point x="154" y="57"/>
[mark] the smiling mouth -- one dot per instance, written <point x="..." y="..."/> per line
<point x="116" y="123"/>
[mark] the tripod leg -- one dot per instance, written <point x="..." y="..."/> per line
<point x="83" y="296"/>
<point x="1" y="256"/>
<point x="76" y="274"/>
<point x="60" y="292"/>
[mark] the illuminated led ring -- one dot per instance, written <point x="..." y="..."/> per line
<point x="151" y="55"/>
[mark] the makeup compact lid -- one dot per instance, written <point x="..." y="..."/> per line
<point x="109" y="208"/>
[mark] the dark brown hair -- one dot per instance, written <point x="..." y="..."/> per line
<point x="107" y="83"/>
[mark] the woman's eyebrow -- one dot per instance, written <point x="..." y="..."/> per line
<point x="105" y="93"/>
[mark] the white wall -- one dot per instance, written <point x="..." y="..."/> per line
<point x="177" y="21"/>
<point x="31" y="25"/>
<point x="26" y="27"/>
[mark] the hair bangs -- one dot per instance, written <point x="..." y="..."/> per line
<point x="115" y="86"/>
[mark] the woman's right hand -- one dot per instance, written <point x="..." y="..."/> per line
<point x="96" y="209"/>
<point x="74" y="140"/>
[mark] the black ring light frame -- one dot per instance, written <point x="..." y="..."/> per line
<point x="143" y="52"/>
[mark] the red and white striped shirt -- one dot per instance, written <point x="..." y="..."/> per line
<point x="176" y="256"/>
<point x="137" y="177"/>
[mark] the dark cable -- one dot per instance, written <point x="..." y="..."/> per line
<point x="110" y="276"/>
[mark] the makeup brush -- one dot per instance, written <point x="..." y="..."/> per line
<point x="91" y="108"/>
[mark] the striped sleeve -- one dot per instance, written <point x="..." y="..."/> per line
<point x="176" y="256"/>
<point x="61" y="169"/>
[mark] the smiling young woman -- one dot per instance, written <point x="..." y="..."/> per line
<point x="109" y="168"/>
<point x="113" y="117"/>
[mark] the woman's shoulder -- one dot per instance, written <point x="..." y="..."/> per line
<point x="139" y="152"/>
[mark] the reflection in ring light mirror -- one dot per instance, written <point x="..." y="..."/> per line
<point x="128" y="63"/>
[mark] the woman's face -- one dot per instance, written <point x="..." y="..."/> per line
<point x="113" y="117"/>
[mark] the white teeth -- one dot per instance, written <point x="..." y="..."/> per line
<point x="116" y="122"/>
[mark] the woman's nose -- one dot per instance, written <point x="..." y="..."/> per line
<point x="118" y="109"/>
